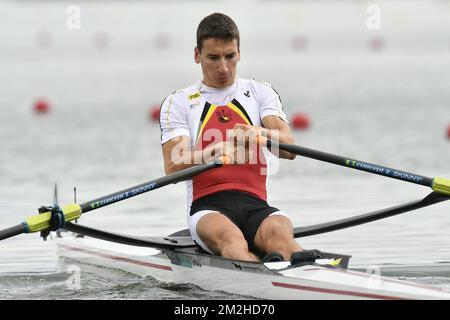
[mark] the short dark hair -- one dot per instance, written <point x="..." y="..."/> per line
<point x="217" y="26"/>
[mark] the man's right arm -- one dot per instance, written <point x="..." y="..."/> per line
<point x="175" y="133"/>
<point x="177" y="154"/>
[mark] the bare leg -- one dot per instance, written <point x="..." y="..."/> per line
<point x="276" y="234"/>
<point x="223" y="237"/>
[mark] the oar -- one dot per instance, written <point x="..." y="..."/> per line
<point x="182" y="238"/>
<point x="429" y="200"/>
<point x="73" y="211"/>
<point x="438" y="184"/>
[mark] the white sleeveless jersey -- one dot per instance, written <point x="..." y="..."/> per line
<point x="205" y="114"/>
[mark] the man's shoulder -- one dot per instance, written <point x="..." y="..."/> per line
<point x="257" y="86"/>
<point x="183" y="95"/>
<point x="255" y="83"/>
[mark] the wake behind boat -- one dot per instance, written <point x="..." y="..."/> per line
<point x="178" y="261"/>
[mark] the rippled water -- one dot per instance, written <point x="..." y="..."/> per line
<point x="390" y="107"/>
<point x="98" y="283"/>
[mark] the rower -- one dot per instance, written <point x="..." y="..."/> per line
<point x="222" y="115"/>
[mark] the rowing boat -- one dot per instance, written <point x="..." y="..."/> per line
<point x="175" y="258"/>
<point x="178" y="261"/>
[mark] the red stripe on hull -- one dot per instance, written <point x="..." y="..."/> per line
<point x="117" y="258"/>
<point x="333" y="291"/>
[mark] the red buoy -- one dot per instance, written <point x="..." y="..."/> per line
<point x="300" y="121"/>
<point x="44" y="39"/>
<point x="376" y="44"/>
<point x="101" y="40"/>
<point x="448" y="131"/>
<point x="154" y="113"/>
<point x="299" y="43"/>
<point x="41" y="106"/>
<point x="161" y="41"/>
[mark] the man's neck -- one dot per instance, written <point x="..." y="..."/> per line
<point x="204" y="83"/>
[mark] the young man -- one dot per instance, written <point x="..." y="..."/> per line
<point x="227" y="210"/>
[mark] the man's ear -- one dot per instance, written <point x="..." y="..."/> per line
<point x="196" y="55"/>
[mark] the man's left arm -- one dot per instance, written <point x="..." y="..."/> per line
<point x="278" y="130"/>
<point x="273" y="119"/>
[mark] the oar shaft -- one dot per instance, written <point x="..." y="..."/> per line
<point x="148" y="186"/>
<point x="73" y="211"/>
<point x="431" y="199"/>
<point x="353" y="164"/>
<point x="12" y="231"/>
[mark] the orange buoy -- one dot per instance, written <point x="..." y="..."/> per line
<point x="41" y="106"/>
<point x="301" y="121"/>
<point x="448" y="131"/>
<point x="154" y="113"/>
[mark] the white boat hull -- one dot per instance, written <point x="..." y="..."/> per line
<point x="269" y="281"/>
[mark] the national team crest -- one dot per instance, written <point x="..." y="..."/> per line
<point x="223" y="115"/>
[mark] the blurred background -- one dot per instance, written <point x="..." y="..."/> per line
<point x="81" y="83"/>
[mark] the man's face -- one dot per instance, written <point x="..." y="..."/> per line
<point x="219" y="60"/>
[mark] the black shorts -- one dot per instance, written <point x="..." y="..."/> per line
<point x="245" y="210"/>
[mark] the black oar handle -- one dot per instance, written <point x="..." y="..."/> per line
<point x="12" y="231"/>
<point x="352" y="163"/>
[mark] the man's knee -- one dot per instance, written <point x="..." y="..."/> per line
<point x="232" y="245"/>
<point x="230" y="239"/>
<point x="219" y="233"/>
<point x="276" y="227"/>
<point x="223" y="237"/>
<point x="276" y="234"/>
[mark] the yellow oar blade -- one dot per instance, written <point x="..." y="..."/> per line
<point x="441" y="185"/>
<point x="42" y="221"/>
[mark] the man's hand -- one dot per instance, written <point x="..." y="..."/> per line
<point x="273" y="129"/>
<point x="240" y="147"/>
<point x="236" y="153"/>
<point x="244" y="134"/>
